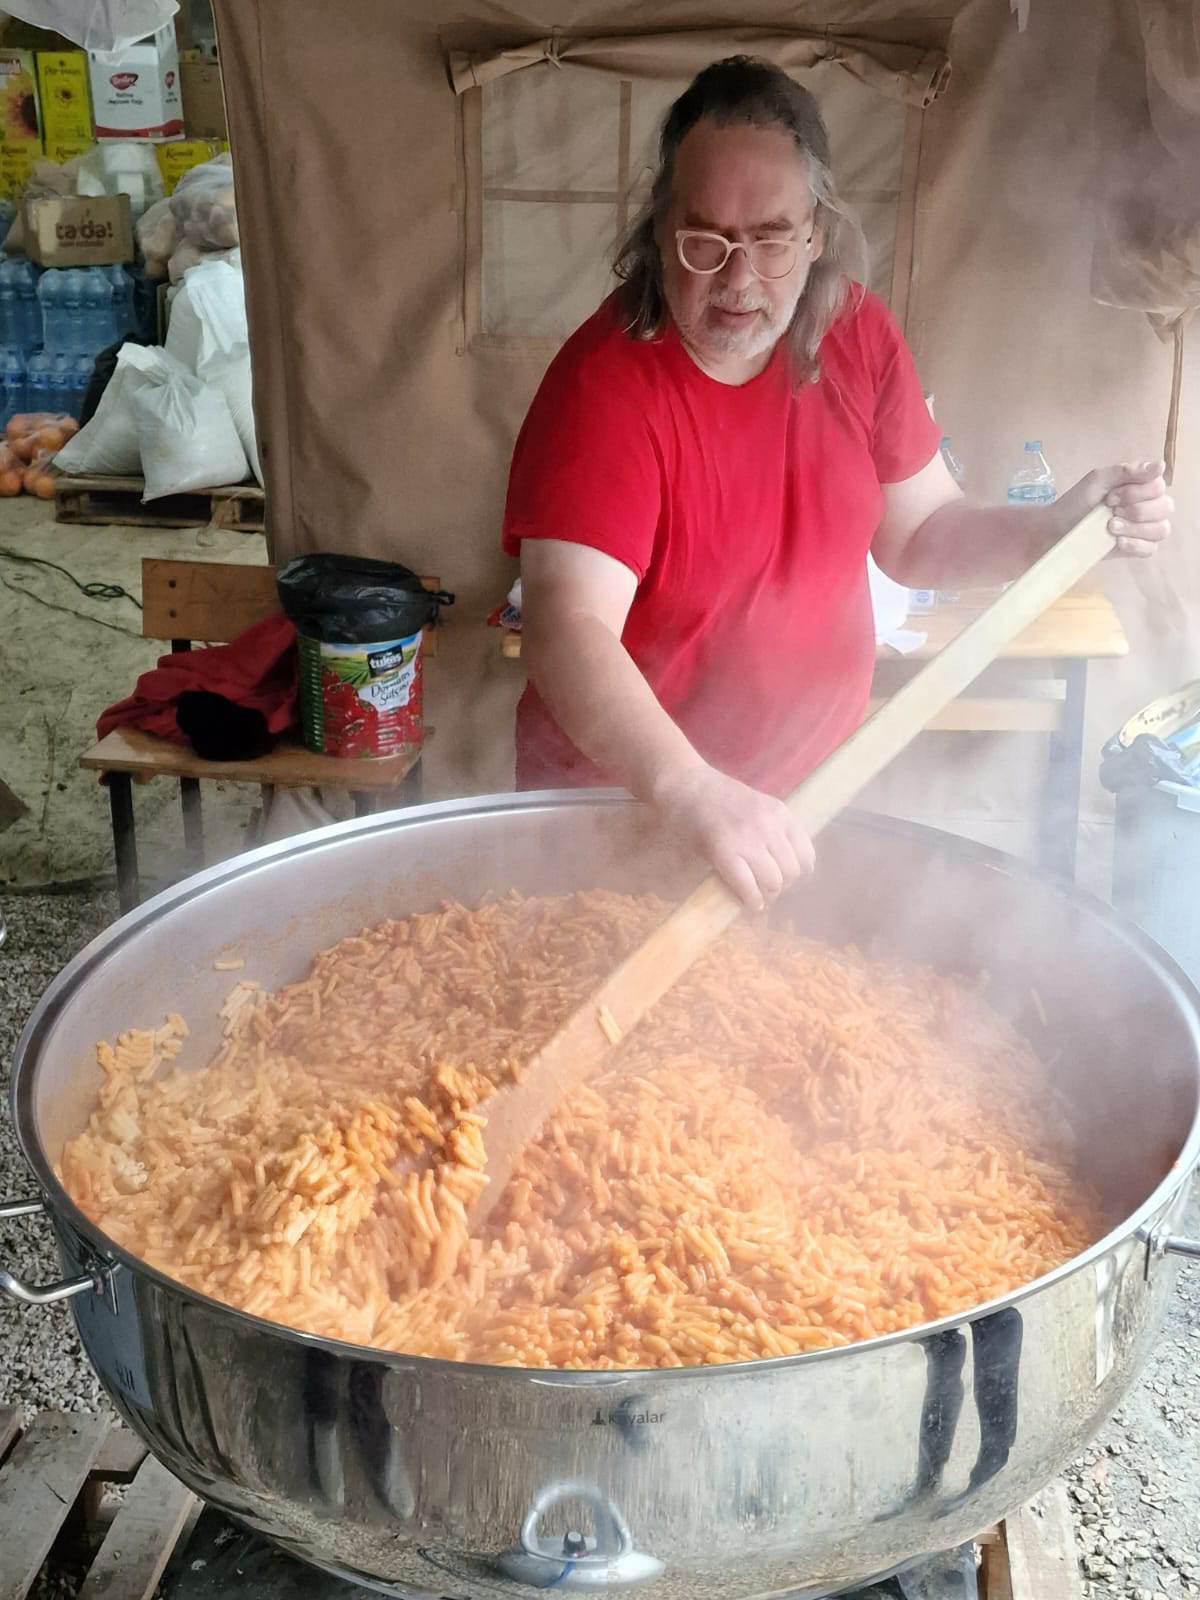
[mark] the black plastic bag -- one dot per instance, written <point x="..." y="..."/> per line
<point x="355" y="599"/>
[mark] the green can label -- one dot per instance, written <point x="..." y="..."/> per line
<point x="362" y="701"/>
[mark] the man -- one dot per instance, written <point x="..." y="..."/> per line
<point x="702" y="473"/>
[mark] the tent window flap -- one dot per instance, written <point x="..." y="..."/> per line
<point x="557" y="162"/>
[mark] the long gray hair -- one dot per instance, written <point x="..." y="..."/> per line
<point x="743" y="90"/>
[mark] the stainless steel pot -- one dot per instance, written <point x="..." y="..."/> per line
<point x="796" y="1477"/>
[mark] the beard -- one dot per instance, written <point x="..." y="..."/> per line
<point x="757" y="331"/>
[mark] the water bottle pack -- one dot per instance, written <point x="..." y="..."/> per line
<point x="20" y="313"/>
<point x="85" y="309"/>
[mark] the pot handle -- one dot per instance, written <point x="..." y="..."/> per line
<point x="1172" y="1245"/>
<point x="42" y="1294"/>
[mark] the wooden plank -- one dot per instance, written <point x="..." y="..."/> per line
<point x="995" y="1582"/>
<point x="104" y="500"/>
<point x="39" y="1485"/>
<point x="289" y="766"/>
<point x="982" y="714"/>
<point x="209" y="601"/>
<point x="1081" y="627"/>
<point x="1043" y="1558"/>
<point x="121" y="1454"/>
<point x="143" y="1534"/>
<point x="213" y="601"/>
<point x="10" y="1427"/>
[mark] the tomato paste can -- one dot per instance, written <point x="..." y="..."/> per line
<point x="359" y="631"/>
<point x="361" y="700"/>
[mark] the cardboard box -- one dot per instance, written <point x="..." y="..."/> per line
<point x="66" y="98"/>
<point x="79" y="231"/>
<point x="68" y="149"/>
<point x="176" y="159"/>
<point x="203" y="100"/>
<point x="136" y="94"/>
<point x="16" y="165"/>
<point x="18" y="98"/>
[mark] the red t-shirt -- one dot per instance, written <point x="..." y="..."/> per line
<point x="745" y="512"/>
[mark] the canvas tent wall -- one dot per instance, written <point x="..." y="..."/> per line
<point x="426" y="194"/>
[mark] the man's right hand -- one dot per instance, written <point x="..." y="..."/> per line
<point x="752" y="840"/>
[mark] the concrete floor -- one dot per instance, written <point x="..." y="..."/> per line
<point x="63" y="658"/>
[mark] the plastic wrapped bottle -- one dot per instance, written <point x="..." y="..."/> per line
<point x="29" y="308"/>
<point x="39" y="382"/>
<point x="75" y="384"/>
<point x="124" y="317"/>
<point x="1033" y="482"/>
<point x="12" y="382"/>
<point x="51" y="296"/>
<point x="75" y="283"/>
<point x="98" y="325"/>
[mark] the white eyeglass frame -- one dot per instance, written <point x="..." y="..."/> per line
<point x="730" y="246"/>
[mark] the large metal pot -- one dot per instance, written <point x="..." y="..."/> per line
<point x="794" y="1477"/>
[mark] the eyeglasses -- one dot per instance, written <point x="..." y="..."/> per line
<point x="706" y="253"/>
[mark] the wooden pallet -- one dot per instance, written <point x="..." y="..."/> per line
<point x="241" y="509"/>
<point x="58" y="1473"/>
<point x="55" y="1486"/>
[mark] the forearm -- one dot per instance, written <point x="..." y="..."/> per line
<point x="960" y="544"/>
<point x="603" y="704"/>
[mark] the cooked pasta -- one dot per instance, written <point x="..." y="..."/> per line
<point x="798" y="1148"/>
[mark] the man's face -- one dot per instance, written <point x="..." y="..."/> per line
<point x="745" y="183"/>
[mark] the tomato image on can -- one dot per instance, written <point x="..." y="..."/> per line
<point x="361" y="700"/>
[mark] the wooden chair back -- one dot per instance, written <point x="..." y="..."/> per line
<point x="211" y="602"/>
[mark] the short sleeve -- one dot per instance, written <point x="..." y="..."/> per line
<point x="586" y="468"/>
<point x="905" y="437"/>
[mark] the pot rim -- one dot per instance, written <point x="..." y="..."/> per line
<point x="56" y="996"/>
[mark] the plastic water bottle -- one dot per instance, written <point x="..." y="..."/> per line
<point x="29" y="310"/>
<point x="53" y="304"/>
<point x="61" y="371"/>
<point x="10" y="317"/>
<point x="12" y="382"/>
<point x="1033" y="483"/>
<point x="75" y="284"/>
<point x="98" y="329"/>
<point x="39" y="382"/>
<point x="124" y="316"/>
<point x="78" y="377"/>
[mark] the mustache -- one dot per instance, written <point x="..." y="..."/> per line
<point x="723" y="302"/>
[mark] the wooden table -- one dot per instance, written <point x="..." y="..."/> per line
<point x="1038" y="685"/>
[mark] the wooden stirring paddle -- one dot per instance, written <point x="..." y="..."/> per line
<point x="517" y="1113"/>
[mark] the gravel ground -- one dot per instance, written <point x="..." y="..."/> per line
<point x="1135" y="1491"/>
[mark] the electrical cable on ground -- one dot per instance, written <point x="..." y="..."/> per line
<point x="94" y="590"/>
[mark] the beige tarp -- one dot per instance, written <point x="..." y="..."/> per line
<point x="1147" y="254"/>
<point x="388" y="399"/>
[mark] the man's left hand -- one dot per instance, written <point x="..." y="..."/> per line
<point x="1140" y="506"/>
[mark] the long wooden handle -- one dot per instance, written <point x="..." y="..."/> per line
<point x="516" y="1116"/>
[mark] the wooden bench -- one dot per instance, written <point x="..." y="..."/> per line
<point x="211" y="603"/>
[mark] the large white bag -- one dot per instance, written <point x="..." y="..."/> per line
<point x="186" y="436"/>
<point x="207" y="332"/>
<point x="109" y="443"/>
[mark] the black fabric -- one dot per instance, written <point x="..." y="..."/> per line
<point x="220" y="730"/>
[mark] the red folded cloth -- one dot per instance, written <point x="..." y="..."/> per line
<point x="256" y="670"/>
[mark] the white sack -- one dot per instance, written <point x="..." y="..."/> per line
<point x="186" y="436"/>
<point x="106" y="26"/>
<point x="208" y="333"/>
<point x="109" y="445"/>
